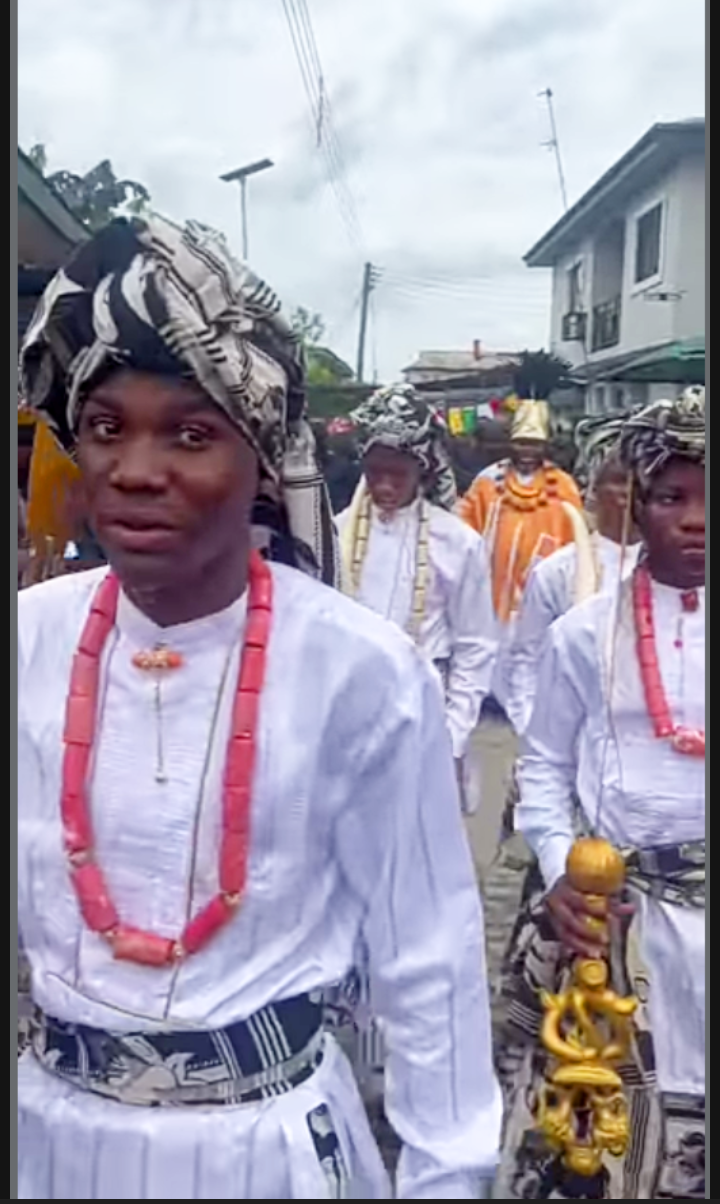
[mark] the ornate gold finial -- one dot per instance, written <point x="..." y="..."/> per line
<point x="587" y="1030"/>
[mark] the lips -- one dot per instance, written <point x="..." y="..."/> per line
<point x="135" y="533"/>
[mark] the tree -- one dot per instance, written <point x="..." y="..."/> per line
<point x="324" y="367"/>
<point x="96" y="197"/>
<point x="38" y="157"/>
<point x="539" y="374"/>
<point x="310" y="327"/>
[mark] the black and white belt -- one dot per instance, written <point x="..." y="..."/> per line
<point x="270" y="1053"/>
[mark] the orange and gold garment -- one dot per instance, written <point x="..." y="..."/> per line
<point x="521" y="524"/>
<point x="53" y="497"/>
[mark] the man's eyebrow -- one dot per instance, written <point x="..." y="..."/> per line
<point x="189" y="405"/>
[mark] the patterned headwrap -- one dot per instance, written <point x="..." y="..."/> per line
<point x="597" y="441"/>
<point x="662" y="432"/>
<point x="162" y="298"/>
<point x="399" y="418"/>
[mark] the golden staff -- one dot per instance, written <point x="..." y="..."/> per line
<point x="587" y="1031"/>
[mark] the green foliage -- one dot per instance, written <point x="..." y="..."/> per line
<point x="324" y="367"/>
<point x="327" y="401"/>
<point x="310" y="327"/>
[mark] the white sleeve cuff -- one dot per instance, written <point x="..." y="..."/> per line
<point x="553" y="859"/>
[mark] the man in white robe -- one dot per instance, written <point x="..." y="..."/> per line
<point x="605" y="547"/>
<point x="179" y="1051"/>
<point x="616" y="749"/>
<point x="410" y="559"/>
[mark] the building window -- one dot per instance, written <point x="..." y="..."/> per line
<point x="575" y="292"/>
<point x="647" y="253"/>
<point x="597" y="400"/>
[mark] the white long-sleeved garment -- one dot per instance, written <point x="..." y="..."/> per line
<point x="459" y="623"/>
<point x="356" y="835"/>
<point x="635" y="790"/>
<point x="550" y="593"/>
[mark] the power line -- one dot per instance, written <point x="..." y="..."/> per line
<point x="488" y="289"/>
<point x="326" y="118"/>
<point x="478" y="293"/>
<point x="308" y="58"/>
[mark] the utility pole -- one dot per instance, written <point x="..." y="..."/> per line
<point x="554" y="145"/>
<point x="367" y="288"/>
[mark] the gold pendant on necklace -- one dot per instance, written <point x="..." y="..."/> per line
<point x="158" y="661"/>
<point x="160" y="774"/>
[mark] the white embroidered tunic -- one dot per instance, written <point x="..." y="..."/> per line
<point x="634" y="789"/>
<point x="459" y="624"/>
<point x="550" y="592"/>
<point x="356" y="834"/>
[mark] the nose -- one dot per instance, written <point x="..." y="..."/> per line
<point x="693" y="518"/>
<point x="139" y="467"/>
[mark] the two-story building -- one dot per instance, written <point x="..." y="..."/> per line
<point x="628" y="264"/>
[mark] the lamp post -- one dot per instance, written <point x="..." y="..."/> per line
<point x="241" y="174"/>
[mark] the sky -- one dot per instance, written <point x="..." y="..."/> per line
<point x="435" y="116"/>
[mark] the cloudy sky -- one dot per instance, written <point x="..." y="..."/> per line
<point x="435" y="112"/>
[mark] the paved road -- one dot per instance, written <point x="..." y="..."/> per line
<point x="492" y="754"/>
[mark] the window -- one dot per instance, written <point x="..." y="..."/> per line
<point x="647" y="253"/>
<point x="575" y="297"/>
<point x="597" y="400"/>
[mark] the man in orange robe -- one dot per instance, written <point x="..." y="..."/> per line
<point x="525" y="507"/>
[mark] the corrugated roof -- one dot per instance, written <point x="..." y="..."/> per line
<point x="461" y="361"/>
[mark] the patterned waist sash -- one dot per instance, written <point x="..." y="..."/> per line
<point x="269" y="1054"/>
<point x="673" y="873"/>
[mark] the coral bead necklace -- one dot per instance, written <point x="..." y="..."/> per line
<point x="689" y="741"/>
<point x="96" y="906"/>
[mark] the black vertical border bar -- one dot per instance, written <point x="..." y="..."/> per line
<point x="12" y="416"/>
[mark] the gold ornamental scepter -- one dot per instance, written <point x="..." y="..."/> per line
<point x="587" y="1031"/>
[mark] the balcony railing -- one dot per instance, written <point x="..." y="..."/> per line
<point x="606" y="324"/>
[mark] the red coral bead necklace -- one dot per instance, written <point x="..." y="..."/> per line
<point x="689" y="741"/>
<point x="94" y="900"/>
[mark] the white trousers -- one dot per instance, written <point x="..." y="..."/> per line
<point x="75" y="1146"/>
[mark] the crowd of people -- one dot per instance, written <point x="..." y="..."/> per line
<point x="245" y="884"/>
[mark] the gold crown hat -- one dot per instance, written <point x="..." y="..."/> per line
<point x="531" y="421"/>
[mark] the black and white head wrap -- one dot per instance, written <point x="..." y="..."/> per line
<point x="151" y="295"/>
<point x="664" y="431"/>
<point x="399" y="418"/>
<point x="597" y="441"/>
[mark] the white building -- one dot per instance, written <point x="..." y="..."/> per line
<point x="628" y="263"/>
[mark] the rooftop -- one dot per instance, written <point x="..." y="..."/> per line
<point x="464" y="362"/>
<point x="662" y="146"/>
<point x="45" y="200"/>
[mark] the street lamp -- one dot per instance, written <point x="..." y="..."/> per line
<point x="241" y="175"/>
